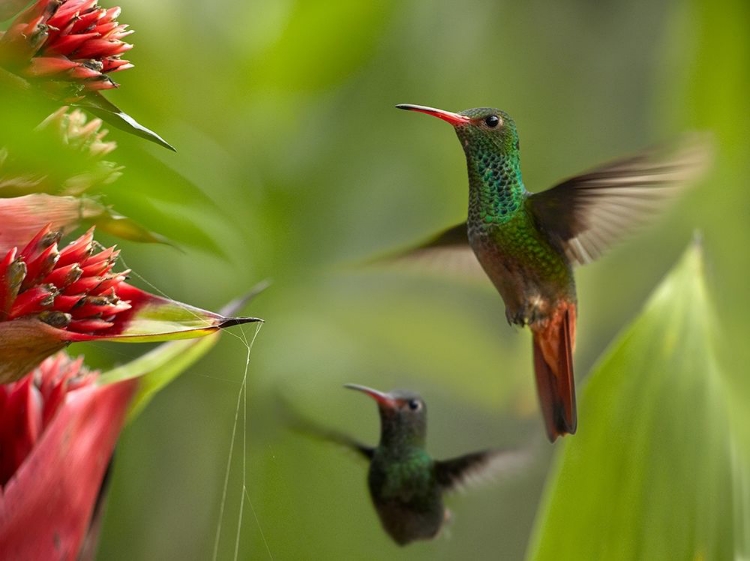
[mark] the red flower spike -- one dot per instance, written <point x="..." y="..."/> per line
<point x="50" y="297"/>
<point x="69" y="42"/>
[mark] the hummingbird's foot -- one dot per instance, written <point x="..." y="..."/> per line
<point x="517" y="318"/>
<point x="520" y="318"/>
<point x="534" y="311"/>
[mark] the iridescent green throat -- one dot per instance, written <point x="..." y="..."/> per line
<point x="399" y="434"/>
<point x="496" y="190"/>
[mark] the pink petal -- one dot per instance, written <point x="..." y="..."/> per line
<point x="11" y="272"/>
<point x="83" y="285"/>
<point x="38" y="267"/>
<point x="62" y="277"/>
<point x="99" y="48"/>
<point x="78" y="250"/>
<point x="101" y="83"/>
<point x="46" y="507"/>
<point x="66" y="44"/>
<point x="81" y="72"/>
<point x="46" y="66"/>
<point x="89" y="325"/>
<point x="33" y="301"/>
<point x="111" y="64"/>
<point x="64" y="302"/>
<point x="23" y="217"/>
<point x="21" y="425"/>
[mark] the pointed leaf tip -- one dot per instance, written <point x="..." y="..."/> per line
<point x="238" y="303"/>
<point x="109" y="112"/>
<point x="231" y="322"/>
<point x="127" y="228"/>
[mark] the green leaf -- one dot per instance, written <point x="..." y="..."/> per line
<point x="154" y="194"/>
<point x="109" y="112"/>
<point x="159" y="367"/>
<point x="126" y="228"/>
<point x="654" y="471"/>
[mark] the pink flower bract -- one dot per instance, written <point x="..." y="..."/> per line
<point x="58" y="429"/>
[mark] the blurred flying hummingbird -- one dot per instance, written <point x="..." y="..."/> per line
<point x="527" y="244"/>
<point x="406" y="484"/>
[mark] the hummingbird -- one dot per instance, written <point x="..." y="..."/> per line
<point x="406" y="485"/>
<point x="528" y="243"/>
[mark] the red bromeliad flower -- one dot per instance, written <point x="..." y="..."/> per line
<point x="69" y="41"/>
<point x="72" y="289"/>
<point x="58" y="429"/>
<point x="50" y="297"/>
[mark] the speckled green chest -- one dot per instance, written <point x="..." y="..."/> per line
<point x="403" y="477"/>
<point x="530" y="273"/>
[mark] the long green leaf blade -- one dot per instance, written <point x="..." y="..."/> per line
<point x="653" y="470"/>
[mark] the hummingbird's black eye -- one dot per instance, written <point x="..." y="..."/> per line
<point x="414" y="404"/>
<point x="492" y="121"/>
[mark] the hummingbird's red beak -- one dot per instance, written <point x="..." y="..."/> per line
<point x="453" y="118"/>
<point x="382" y="398"/>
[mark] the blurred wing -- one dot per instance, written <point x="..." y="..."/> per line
<point x="479" y="467"/>
<point x="343" y="440"/>
<point x="587" y="214"/>
<point x="449" y="251"/>
<point x="298" y="423"/>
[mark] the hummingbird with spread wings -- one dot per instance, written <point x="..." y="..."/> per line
<point x="406" y="484"/>
<point x="528" y="243"/>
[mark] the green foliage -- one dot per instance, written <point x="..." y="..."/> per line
<point x="651" y="472"/>
<point x="159" y="367"/>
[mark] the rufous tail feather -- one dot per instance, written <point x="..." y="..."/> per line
<point x="553" y="366"/>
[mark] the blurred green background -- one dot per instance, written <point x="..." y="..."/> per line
<point x="293" y="165"/>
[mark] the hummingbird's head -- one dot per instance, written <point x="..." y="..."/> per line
<point x="480" y="130"/>
<point x="403" y="415"/>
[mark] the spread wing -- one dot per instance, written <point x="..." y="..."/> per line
<point x="587" y="214"/>
<point x="448" y="251"/>
<point x="295" y="421"/>
<point x="477" y="467"/>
